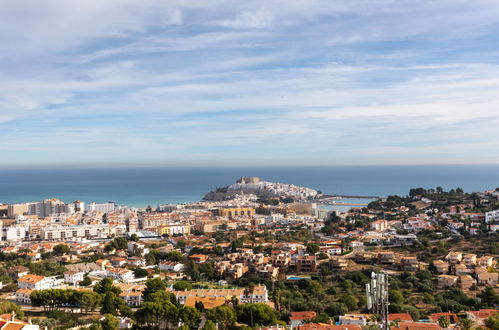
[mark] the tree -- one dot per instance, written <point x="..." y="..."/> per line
<point x="489" y="296"/>
<point x="150" y="259"/>
<point x="182" y="286"/>
<point x="108" y="304"/>
<point x="351" y="302"/>
<point x="7" y="307"/>
<point x="395" y="297"/>
<point x="313" y="248"/>
<point x="89" y="300"/>
<point x="466" y="324"/>
<point x="189" y="316"/>
<point x="109" y="322"/>
<point x="134" y="237"/>
<point x="61" y="249"/>
<point x="256" y="314"/>
<point x="106" y="285"/>
<point x="86" y="281"/>
<point x="223" y="315"/>
<point x="209" y="325"/>
<point x="153" y="285"/>
<point x="443" y="322"/>
<point x="140" y="272"/>
<point x="493" y="321"/>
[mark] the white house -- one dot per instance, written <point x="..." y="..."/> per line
<point x="492" y="216"/>
<point x="35" y="282"/>
<point x="73" y="277"/>
<point x="171" y="266"/>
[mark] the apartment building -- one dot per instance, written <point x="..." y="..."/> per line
<point x="61" y="232"/>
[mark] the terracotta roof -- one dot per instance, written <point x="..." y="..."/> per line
<point x="302" y="316"/>
<point x="400" y="316"/>
<point x="31" y="278"/>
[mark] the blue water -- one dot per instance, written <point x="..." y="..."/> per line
<point x="142" y="187"/>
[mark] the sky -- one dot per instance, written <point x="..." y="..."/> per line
<point x="275" y="82"/>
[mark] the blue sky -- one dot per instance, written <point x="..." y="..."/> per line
<point x="212" y="82"/>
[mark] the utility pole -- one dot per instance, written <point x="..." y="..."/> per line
<point x="377" y="297"/>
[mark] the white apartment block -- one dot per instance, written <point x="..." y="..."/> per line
<point x="59" y="232"/>
<point x="492" y="216"/>
<point x="14" y="233"/>
<point x="104" y="207"/>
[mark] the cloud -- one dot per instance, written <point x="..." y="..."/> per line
<point x="258" y="19"/>
<point x="275" y="81"/>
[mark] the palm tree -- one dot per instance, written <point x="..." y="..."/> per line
<point x="443" y="322"/>
<point x="466" y="324"/>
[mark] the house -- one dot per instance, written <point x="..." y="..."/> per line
<point x="379" y="225"/>
<point x="386" y="257"/>
<point x="469" y="260"/>
<point x="460" y="269"/>
<point x="9" y="322"/>
<point x="356" y="319"/>
<point x="17" y="271"/>
<point x="35" y="282"/>
<point x="23" y="296"/>
<point x="486" y="261"/>
<point x="466" y="282"/>
<point x="136" y="262"/>
<point x="121" y="274"/>
<point x="331" y="250"/>
<point x="478" y="317"/>
<point x="441" y="267"/>
<point x="454" y="257"/>
<point x="339" y="263"/>
<point x="73" y="277"/>
<point x="410" y="264"/>
<point x="415" y="326"/>
<point x="171" y="266"/>
<point x="132" y="298"/>
<point x="447" y="281"/>
<point x="267" y="272"/>
<point x="486" y="278"/>
<point x="400" y="317"/>
<point x="199" y="258"/>
<point x="297" y="318"/>
<point x="118" y="261"/>
<point x="324" y="326"/>
<point x="306" y="264"/>
<point x="451" y="317"/>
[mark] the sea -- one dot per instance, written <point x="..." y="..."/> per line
<point x="140" y="187"/>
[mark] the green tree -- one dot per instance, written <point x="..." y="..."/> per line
<point x="209" y="325"/>
<point x="153" y="285"/>
<point x="313" y="248"/>
<point x="109" y="322"/>
<point x="256" y="314"/>
<point x="493" y="322"/>
<point x="61" y="249"/>
<point x="89" y="300"/>
<point x="466" y="324"/>
<point x="443" y="322"/>
<point x="182" y="285"/>
<point x="223" y="315"/>
<point x="108" y="304"/>
<point x="351" y="302"/>
<point x="106" y="285"/>
<point x="140" y="272"/>
<point x="489" y="296"/>
<point x="189" y="316"/>
<point x="86" y="281"/>
<point x="395" y="297"/>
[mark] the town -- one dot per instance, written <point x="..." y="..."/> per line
<point x="253" y="255"/>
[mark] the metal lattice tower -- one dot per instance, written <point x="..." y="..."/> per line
<point x="377" y="297"/>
